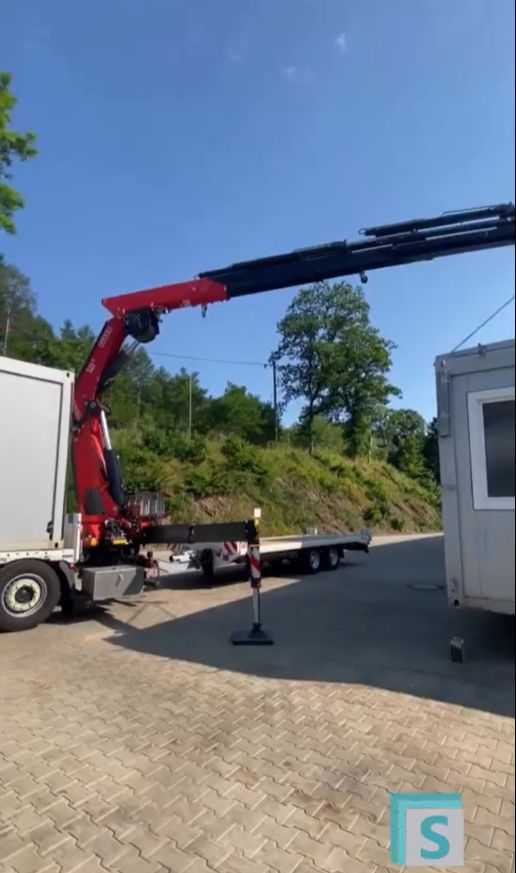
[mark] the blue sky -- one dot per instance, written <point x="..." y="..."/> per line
<point x="180" y="135"/>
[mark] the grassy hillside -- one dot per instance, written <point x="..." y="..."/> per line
<point x="223" y="480"/>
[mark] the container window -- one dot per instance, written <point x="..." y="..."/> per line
<point x="499" y="427"/>
<point x="492" y="432"/>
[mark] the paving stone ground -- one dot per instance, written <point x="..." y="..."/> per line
<point x="137" y="739"/>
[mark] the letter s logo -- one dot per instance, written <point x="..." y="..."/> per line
<point x="428" y="832"/>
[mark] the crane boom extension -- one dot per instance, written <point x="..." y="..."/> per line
<point x="389" y="245"/>
<point x="100" y="493"/>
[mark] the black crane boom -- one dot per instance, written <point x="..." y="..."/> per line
<point x="388" y="245"/>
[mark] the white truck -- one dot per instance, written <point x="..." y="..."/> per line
<point x="40" y="545"/>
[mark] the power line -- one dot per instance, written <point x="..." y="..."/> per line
<point x="487" y="321"/>
<point x="209" y="360"/>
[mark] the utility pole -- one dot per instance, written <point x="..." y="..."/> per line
<point x="275" y="395"/>
<point x="190" y="409"/>
<point x="7" y="328"/>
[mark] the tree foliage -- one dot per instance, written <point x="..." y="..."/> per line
<point x="240" y="413"/>
<point x="407" y="442"/>
<point x="13" y="146"/>
<point x="23" y="333"/>
<point x="323" y="434"/>
<point x="334" y="360"/>
<point x="431" y="450"/>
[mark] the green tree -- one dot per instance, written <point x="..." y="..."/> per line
<point x="334" y="360"/>
<point x="129" y="395"/>
<point x="171" y="397"/>
<point x="431" y="450"/>
<point x="72" y="347"/>
<point x="398" y="427"/>
<point x="324" y="435"/>
<point x="13" y="146"/>
<point x="242" y="414"/>
<point x="23" y="333"/>
<point x="410" y="444"/>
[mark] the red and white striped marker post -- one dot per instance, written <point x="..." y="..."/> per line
<point x="256" y="636"/>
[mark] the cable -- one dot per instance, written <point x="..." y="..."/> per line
<point x="487" y="321"/>
<point x="209" y="360"/>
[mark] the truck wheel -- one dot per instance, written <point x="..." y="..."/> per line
<point x="29" y="593"/>
<point x="312" y="561"/>
<point x="331" y="558"/>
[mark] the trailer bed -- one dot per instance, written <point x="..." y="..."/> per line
<point x="213" y="556"/>
<point x="275" y="545"/>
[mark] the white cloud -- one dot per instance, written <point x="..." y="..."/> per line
<point x="342" y="43"/>
<point x="299" y="75"/>
<point x="236" y="56"/>
<point x="237" y="48"/>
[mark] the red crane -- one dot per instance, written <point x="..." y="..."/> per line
<point x="109" y="519"/>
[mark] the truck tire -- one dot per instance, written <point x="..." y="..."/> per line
<point x="29" y="592"/>
<point x="312" y="561"/>
<point x="331" y="558"/>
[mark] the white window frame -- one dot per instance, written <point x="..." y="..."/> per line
<point x="476" y="402"/>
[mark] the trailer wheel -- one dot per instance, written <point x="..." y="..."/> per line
<point x="331" y="558"/>
<point x="207" y="564"/>
<point x="29" y="593"/>
<point x="312" y="561"/>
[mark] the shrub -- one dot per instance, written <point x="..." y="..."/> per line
<point x="374" y="515"/>
<point x="242" y="458"/>
<point x="398" y="524"/>
<point x="206" y="480"/>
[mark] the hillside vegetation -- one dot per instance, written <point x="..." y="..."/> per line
<point x="225" y="479"/>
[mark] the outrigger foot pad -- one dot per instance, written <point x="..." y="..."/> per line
<point x="255" y="637"/>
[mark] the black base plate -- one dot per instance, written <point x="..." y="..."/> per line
<point x="254" y="637"/>
<point x="457" y="651"/>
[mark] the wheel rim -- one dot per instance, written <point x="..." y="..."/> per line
<point x="24" y="595"/>
<point x="314" y="560"/>
<point x="333" y="557"/>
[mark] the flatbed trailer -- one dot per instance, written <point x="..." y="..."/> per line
<point x="309" y="552"/>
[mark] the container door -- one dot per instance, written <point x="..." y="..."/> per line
<point x="31" y="461"/>
<point x="483" y="416"/>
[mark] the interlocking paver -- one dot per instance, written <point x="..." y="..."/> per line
<point x="82" y="829"/>
<point x="180" y="833"/>
<point x="502" y="861"/>
<point x="152" y="746"/>
<point x="27" y="860"/>
<point x="171" y="858"/>
<point x="10" y="843"/>
<point x="274" y="858"/>
<point x="276" y="833"/>
<point x="132" y="862"/>
<point x="68" y="855"/>
<point x="212" y="852"/>
<point x="105" y="847"/>
<point x="46" y="837"/>
<point x="248" y="844"/>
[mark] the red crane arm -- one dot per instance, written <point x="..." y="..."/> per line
<point x="98" y="482"/>
<point x="165" y="298"/>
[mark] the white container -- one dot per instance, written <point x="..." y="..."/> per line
<point x="475" y="390"/>
<point x="35" y="413"/>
